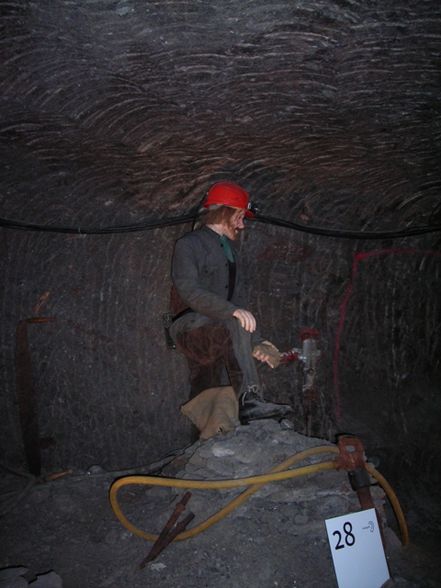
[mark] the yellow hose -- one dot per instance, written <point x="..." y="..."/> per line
<point x="279" y="472"/>
<point x="393" y="500"/>
<point x="255" y="483"/>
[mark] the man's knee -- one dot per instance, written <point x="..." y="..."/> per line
<point x="206" y="344"/>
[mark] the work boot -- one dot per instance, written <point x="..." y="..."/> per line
<point x="253" y="407"/>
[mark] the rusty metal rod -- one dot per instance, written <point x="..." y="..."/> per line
<point x="163" y="540"/>
<point x="27" y="395"/>
<point x="179" y="528"/>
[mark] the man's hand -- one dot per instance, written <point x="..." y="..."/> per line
<point x="246" y="319"/>
<point x="268" y="353"/>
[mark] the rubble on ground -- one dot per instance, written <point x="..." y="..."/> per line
<point x="275" y="539"/>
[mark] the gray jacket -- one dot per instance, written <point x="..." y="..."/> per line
<point x="201" y="276"/>
<point x="200" y="273"/>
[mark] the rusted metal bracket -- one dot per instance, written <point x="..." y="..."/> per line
<point x="352" y="454"/>
<point x="26" y="394"/>
<point x="171" y="529"/>
<point x="352" y="459"/>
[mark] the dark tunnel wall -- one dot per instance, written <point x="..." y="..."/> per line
<point x="119" y="112"/>
<point x="108" y="389"/>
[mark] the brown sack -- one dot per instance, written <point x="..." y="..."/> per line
<point x="213" y="411"/>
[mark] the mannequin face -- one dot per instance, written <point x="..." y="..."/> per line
<point x="232" y="227"/>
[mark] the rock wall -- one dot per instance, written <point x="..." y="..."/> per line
<point x="115" y="113"/>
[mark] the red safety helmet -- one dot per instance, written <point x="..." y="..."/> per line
<point x="229" y="194"/>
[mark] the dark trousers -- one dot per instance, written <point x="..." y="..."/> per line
<point x="213" y="348"/>
<point x="209" y="353"/>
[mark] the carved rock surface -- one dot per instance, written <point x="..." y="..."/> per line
<point x="120" y="113"/>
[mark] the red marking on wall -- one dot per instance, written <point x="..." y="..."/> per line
<point x="358" y="257"/>
<point x="41" y="302"/>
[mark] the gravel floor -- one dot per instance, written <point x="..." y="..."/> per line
<point x="276" y="539"/>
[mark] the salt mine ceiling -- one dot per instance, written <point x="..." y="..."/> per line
<point x="119" y="112"/>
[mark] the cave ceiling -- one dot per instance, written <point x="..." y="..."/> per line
<point x="114" y="112"/>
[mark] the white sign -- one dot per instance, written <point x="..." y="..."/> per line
<point x="357" y="550"/>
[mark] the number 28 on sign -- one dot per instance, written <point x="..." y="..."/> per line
<point x="357" y="550"/>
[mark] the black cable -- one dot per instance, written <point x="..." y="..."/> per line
<point x="145" y="226"/>
<point x="345" y="234"/>
<point x="190" y="217"/>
